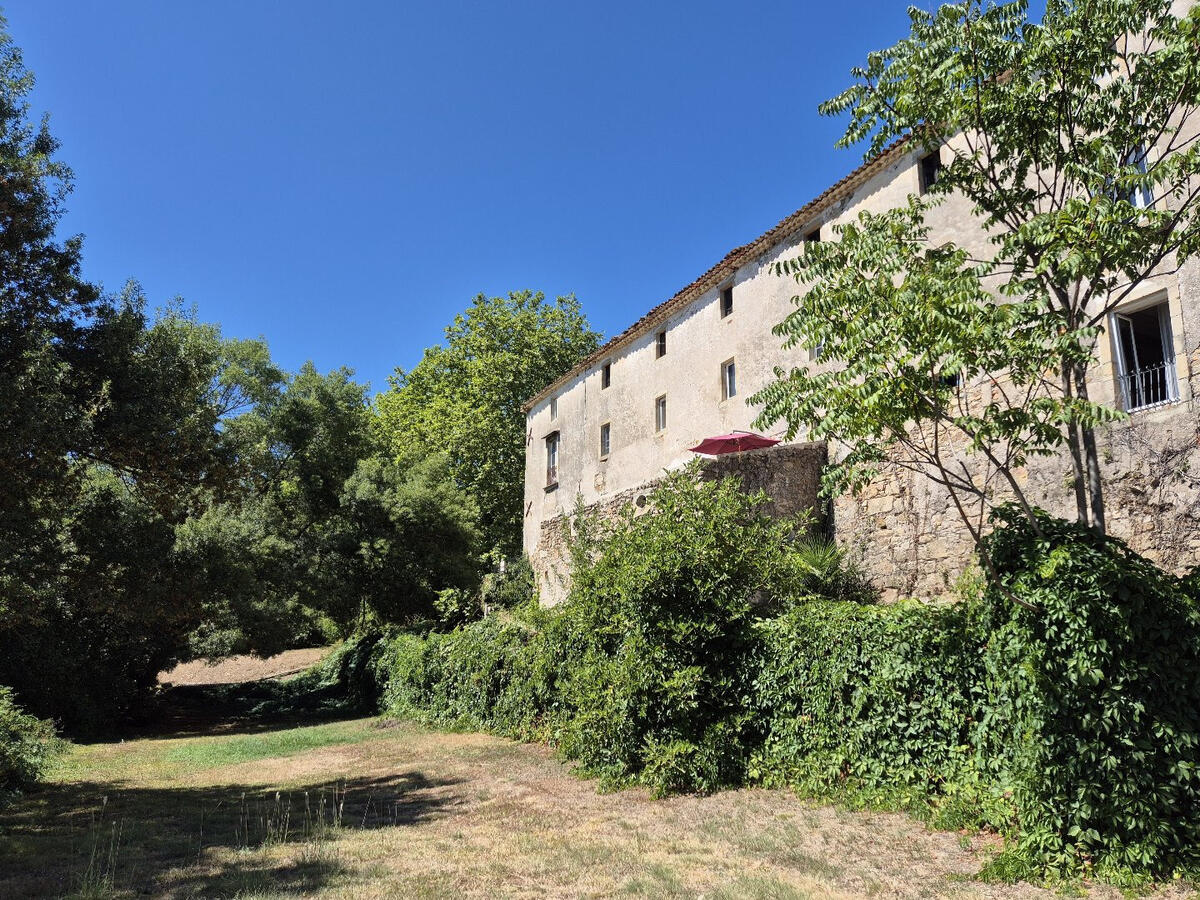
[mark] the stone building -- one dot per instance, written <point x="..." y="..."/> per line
<point x="604" y="431"/>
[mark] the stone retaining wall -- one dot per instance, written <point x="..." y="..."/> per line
<point x="790" y="476"/>
<point x="905" y="532"/>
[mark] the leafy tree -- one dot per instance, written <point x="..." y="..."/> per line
<point x="403" y="534"/>
<point x="464" y="398"/>
<point x="266" y="573"/>
<point x="1055" y="134"/>
<point x="44" y="310"/>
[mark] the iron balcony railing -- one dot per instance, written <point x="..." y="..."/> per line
<point x="1149" y="386"/>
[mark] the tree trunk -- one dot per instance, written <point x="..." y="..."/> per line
<point x="1077" y="462"/>
<point x="1095" y="487"/>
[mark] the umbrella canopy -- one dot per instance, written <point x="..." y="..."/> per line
<point x="734" y="442"/>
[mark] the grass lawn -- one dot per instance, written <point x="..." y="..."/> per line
<point x="368" y="809"/>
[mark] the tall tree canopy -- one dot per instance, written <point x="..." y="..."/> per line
<point x="464" y="398"/>
<point x="1074" y="142"/>
<point x="168" y="491"/>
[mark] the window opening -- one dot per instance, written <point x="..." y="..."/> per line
<point x="1145" y="353"/>
<point x="552" y="459"/>
<point x="930" y="169"/>
<point x="728" y="380"/>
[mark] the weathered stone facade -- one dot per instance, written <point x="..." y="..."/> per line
<point x="610" y="442"/>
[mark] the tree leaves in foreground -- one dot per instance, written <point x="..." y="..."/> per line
<point x="1073" y="141"/>
<point x="464" y="398"/>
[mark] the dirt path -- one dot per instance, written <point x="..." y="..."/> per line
<point x="363" y="809"/>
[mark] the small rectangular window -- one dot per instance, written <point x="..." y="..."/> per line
<point x="813" y="236"/>
<point x="815" y="353"/>
<point x="606" y="376"/>
<point x="929" y="170"/>
<point x="726" y="301"/>
<point x="660" y="413"/>
<point x="728" y="380"/>
<point x="660" y="345"/>
<point x="552" y="459"/>
<point x="553" y="408"/>
<point x="605" y="439"/>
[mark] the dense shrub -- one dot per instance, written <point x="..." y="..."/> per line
<point x="1058" y="705"/>
<point x="824" y="570"/>
<point x="1092" y="706"/>
<point x="487" y="675"/>
<point x="661" y="612"/>
<point x="877" y="700"/>
<point x="642" y="674"/>
<point x="27" y="745"/>
<point x="510" y="588"/>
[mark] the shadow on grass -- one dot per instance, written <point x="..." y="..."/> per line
<point x="98" y="839"/>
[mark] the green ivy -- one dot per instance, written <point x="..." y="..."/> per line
<point x="1069" y="724"/>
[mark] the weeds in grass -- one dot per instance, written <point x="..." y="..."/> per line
<point x="657" y="881"/>
<point x="310" y="820"/>
<point x="266" y="821"/>
<point x="104" y="846"/>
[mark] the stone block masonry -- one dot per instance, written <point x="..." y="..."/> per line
<point x="908" y="537"/>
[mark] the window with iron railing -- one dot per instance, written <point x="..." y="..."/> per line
<point x="1145" y="358"/>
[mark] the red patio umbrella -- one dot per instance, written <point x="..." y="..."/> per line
<point x="734" y="442"/>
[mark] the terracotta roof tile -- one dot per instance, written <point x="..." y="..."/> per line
<point x="731" y="262"/>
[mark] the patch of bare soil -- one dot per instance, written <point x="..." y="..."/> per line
<point x="237" y="669"/>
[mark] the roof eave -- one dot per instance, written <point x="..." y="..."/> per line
<point x="729" y="264"/>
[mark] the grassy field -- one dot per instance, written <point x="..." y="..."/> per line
<point x="364" y="808"/>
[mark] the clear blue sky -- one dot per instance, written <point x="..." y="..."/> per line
<point x="342" y="178"/>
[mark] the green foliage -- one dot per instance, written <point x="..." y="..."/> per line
<point x="823" y="569"/>
<point x="876" y="697"/>
<point x="488" y="675"/>
<point x="1092" y="705"/>
<point x="512" y="588"/>
<point x="464" y="398"/>
<point x="1049" y="131"/>
<point x="27" y="746"/>
<point x="906" y="324"/>
<point x="1067" y="722"/>
<point x="641" y="675"/>
<point x="402" y="535"/>
<point x="662" y="607"/>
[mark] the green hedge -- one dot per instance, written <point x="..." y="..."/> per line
<point x="869" y="701"/>
<point x="1091" y="700"/>
<point x="484" y="676"/>
<point x="1072" y="727"/>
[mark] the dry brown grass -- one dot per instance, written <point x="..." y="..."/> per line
<point x="237" y="669"/>
<point x="425" y="814"/>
